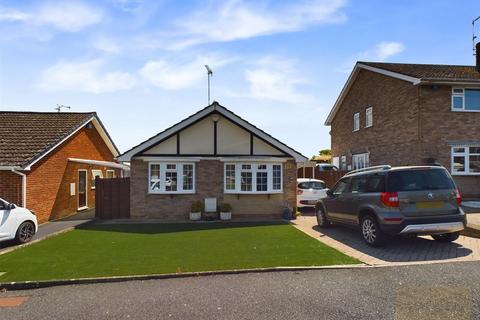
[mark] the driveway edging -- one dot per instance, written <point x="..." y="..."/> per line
<point x="26" y="285"/>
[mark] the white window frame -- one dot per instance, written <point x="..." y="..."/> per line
<point x="461" y="95"/>
<point x="110" y="170"/>
<point x="369" y="115"/>
<point x="254" y="169"/>
<point x="163" y="170"/>
<point x="466" y="154"/>
<point x="343" y="163"/>
<point x="95" y="173"/>
<point x="356" y="122"/>
<point x="360" y="158"/>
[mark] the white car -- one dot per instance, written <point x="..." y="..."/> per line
<point x="16" y="223"/>
<point x="309" y="191"/>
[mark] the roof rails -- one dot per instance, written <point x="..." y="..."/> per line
<point x="374" y="168"/>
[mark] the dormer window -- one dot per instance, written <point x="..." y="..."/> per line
<point x="466" y="99"/>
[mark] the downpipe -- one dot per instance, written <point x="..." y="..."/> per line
<point x="24" y="186"/>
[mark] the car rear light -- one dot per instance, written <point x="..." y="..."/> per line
<point x="303" y="202"/>
<point x="299" y="191"/>
<point x="392" y="219"/>
<point x="458" y="196"/>
<point x="389" y="199"/>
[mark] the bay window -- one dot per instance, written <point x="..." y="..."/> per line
<point x="165" y="177"/>
<point x="253" y="178"/>
<point x="466" y="160"/>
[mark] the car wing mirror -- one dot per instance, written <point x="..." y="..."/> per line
<point x="11" y="206"/>
<point x="329" y="193"/>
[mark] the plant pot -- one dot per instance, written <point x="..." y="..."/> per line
<point x="225" y="215"/>
<point x="195" y="216"/>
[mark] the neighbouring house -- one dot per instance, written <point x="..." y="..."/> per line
<point x="410" y="114"/>
<point x="213" y="154"/>
<point x="49" y="161"/>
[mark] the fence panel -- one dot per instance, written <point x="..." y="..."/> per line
<point x="329" y="177"/>
<point x="112" y="198"/>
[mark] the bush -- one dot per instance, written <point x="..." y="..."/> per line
<point x="226" y="207"/>
<point x="197" y="206"/>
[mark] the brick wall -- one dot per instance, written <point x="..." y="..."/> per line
<point x="46" y="182"/>
<point x="209" y="183"/>
<point x="393" y="138"/>
<point x="11" y="187"/>
<point x="439" y="125"/>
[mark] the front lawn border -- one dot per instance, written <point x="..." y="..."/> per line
<point x="28" y="285"/>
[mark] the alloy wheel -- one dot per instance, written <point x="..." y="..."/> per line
<point x="26" y="232"/>
<point x="369" y="230"/>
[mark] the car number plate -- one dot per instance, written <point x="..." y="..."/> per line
<point x="430" y="205"/>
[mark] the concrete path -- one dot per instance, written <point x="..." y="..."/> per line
<point x="53" y="227"/>
<point x="401" y="250"/>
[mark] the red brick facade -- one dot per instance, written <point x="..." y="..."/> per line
<point x="10" y="186"/>
<point x="209" y="182"/>
<point x="48" y="181"/>
<point x="411" y="124"/>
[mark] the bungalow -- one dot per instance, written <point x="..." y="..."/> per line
<point x="49" y="160"/>
<point x="213" y="154"/>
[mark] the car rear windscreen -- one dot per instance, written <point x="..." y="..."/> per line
<point x="419" y="179"/>
<point x="315" y="185"/>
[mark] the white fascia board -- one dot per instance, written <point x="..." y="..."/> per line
<point x="101" y="163"/>
<point x="168" y="159"/>
<point x="60" y="142"/>
<point x="351" y="79"/>
<point x="253" y="159"/>
<point x="153" y="141"/>
<point x="8" y="168"/>
<point x="105" y="137"/>
<point x="97" y="126"/>
<point x="214" y="107"/>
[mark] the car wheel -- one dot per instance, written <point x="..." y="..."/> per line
<point x="371" y="232"/>
<point x="322" y="219"/>
<point x="446" y="237"/>
<point x="25" y="232"/>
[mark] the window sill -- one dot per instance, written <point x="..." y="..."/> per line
<point x="370" y="126"/>
<point x="171" y="192"/>
<point x="252" y="192"/>
<point x="463" y="110"/>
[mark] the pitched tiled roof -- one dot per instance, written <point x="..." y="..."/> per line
<point x="25" y="136"/>
<point x="437" y="72"/>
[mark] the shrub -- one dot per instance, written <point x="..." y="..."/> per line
<point x="197" y="206"/>
<point x="225" y="207"/>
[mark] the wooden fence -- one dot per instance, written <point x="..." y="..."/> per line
<point x="329" y="177"/>
<point x="112" y="198"/>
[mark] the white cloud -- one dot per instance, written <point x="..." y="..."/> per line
<point x="385" y="50"/>
<point x="66" y="16"/>
<point x="174" y="75"/>
<point x="382" y="51"/>
<point x="11" y="15"/>
<point x="275" y="79"/>
<point x="235" y="19"/>
<point x="106" y="45"/>
<point x="85" y="77"/>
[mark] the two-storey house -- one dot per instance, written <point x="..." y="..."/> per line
<point x="410" y="114"/>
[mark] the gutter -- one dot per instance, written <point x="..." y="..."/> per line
<point x="24" y="186"/>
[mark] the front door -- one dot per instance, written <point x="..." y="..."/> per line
<point x="82" y="189"/>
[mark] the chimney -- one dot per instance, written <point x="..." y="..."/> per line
<point x="477" y="56"/>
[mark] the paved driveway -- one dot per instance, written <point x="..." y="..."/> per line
<point x="399" y="250"/>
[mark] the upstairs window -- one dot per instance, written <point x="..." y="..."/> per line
<point x="465" y="99"/>
<point x="356" y="121"/>
<point x="369" y="117"/>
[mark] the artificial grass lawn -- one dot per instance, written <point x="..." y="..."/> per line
<point x="136" y="249"/>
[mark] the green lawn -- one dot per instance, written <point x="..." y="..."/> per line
<point x="136" y="249"/>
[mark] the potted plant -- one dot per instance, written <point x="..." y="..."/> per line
<point x="196" y="211"/>
<point x="225" y="211"/>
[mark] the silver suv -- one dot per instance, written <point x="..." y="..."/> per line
<point x="385" y="201"/>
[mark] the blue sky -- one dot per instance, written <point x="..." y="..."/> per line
<point x="278" y="64"/>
